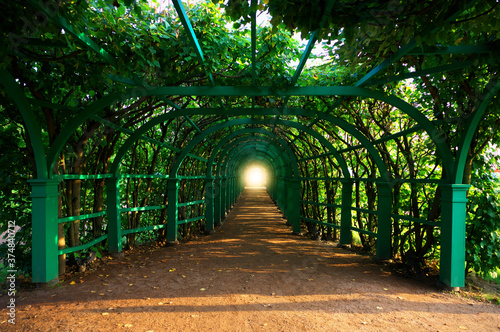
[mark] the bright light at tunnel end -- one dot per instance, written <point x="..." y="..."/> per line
<point x="255" y="177"/>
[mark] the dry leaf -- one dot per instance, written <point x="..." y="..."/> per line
<point x="379" y="308"/>
<point x="72" y="283"/>
<point x="202" y="289"/>
<point x="127" y="325"/>
<point x="105" y="313"/>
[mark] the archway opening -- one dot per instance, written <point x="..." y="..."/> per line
<point x="255" y="176"/>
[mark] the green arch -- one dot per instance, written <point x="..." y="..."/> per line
<point x="248" y="131"/>
<point x="441" y="146"/>
<point x="34" y="131"/>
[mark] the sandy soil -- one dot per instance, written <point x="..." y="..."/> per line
<point x="251" y="275"/>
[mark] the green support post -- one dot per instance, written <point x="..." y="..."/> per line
<point x="217" y="216"/>
<point x="172" y="210"/>
<point x="345" y="217"/>
<point x="279" y="194"/>
<point x="209" y="203"/>
<point x="114" y="217"/>
<point x="44" y="253"/>
<point x="233" y="196"/>
<point x="453" y="216"/>
<point x="223" y="193"/>
<point x="228" y="194"/>
<point x="284" y="200"/>
<point x="384" y="226"/>
<point x="294" y="205"/>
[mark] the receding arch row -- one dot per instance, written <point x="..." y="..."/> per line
<point x="441" y="146"/>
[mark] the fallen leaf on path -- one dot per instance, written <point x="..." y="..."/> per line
<point x="72" y="283"/>
<point x="202" y="289"/>
<point x="105" y="313"/>
<point x="379" y="308"/>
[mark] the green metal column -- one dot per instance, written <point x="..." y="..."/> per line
<point x="44" y="253"/>
<point x="235" y="190"/>
<point x="453" y="216"/>
<point x="285" y="197"/>
<point x="209" y="203"/>
<point x="172" y="210"/>
<point x="223" y="193"/>
<point x="345" y="214"/>
<point x="228" y="193"/>
<point x="113" y="213"/>
<point x="217" y="216"/>
<point x="294" y="205"/>
<point x="384" y="226"/>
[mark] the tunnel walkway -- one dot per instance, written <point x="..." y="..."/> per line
<point x="251" y="275"/>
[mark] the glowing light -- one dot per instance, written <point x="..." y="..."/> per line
<point x="255" y="176"/>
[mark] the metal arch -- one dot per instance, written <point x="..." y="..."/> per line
<point x="257" y="149"/>
<point x="180" y="158"/>
<point x="34" y="131"/>
<point x="245" y="131"/>
<point x="244" y="155"/>
<point x="227" y="155"/>
<point x="258" y="143"/>
<point x="471" y="127"/>
<point x="441" y="147"/>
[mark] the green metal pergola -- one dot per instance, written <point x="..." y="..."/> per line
<point x="258" y="141"/>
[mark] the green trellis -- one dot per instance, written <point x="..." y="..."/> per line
<point x="257" y="141"/>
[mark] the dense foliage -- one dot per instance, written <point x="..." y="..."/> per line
<point x="132" y="45"/>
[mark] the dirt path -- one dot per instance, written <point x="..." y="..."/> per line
<point x="252" y="275"/>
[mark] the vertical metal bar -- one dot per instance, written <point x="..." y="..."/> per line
<point x="217" y="195"/>
<point x="345" y="214"/>
<point x="384" y="226"/>
<point x="209" y="203"/>
<point x="113" y="213"/>
<point x="44" y="253"/>
<point x="453" y="216"/>
<point x="172" y="210"/>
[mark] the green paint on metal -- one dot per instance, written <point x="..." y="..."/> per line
<point x="471" y="126"/>
<point x="143" y="208"/>
<point x="44" y="253"/>
<point x="81" y="217"/>
<point x="384" y="222"/>
<point x="172" y="209"/>
<point x="201" y="201"/>
<point x="114" y="216"/>
<point x="187" y="221"/>
<point x="13" y="90"/>
<point x="83" y="246"/>
<point x="453" y="216"/>
<point x="143" y="229"/>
